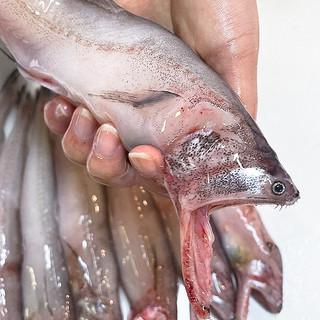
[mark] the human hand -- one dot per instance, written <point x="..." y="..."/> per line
<point x="224" y="33"/>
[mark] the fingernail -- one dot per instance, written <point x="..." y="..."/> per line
<point x="143" y="162"/>
<point x="62" y="112"/>
<point x="85" y="125"/>
<point x="106" y="142"/>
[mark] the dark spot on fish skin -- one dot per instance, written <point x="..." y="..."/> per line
<point x="199" y="146"/>
<point x="234" y="128"/>
<point x="269" y="245"/>
<point x="138" y="100"/>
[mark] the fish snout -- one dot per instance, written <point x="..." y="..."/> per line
<point x="284" y="191"/>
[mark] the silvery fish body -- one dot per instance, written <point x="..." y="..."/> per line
<point x="157" y="91"/>
<point x="45" y="288"/>
<point x="145" y="262"/>
<point x="12" y="161"/>
<point x="8" y="96"/>
<point x="86" y="241"/>
<point x="254" y="257"/>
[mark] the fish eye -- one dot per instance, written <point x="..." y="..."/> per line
<point x="278" y="188"/>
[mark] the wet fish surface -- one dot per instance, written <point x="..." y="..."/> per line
<point x="86" y="240"/>
<point x="12" y="160"/>
<point x="46" y="293"/>
<point x="222" y="290"/>
<point x="8" y="98"/>
<point x="254" y="258"/>
<point x="215" y="155"/>
<point x="145" y="261"/>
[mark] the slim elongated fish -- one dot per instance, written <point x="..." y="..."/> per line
<point x="255" y="259"/>
<point x="86" y="241"/>
<point x="12" y="161"/>
<point x="124" y="67"/>
<point x="145" y="261"/>
<point x="171" y="225"/>
<point x="46" y="293"/>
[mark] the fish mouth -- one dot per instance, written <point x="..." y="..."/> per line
<point x="252" y="200"/>
<point x="275" y="192"/>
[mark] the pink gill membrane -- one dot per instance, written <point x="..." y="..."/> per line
<point x="196" y="253"/>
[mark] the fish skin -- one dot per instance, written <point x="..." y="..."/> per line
<point x="11" y="171"/>
<point x="223" y="292"/>
<point x="86" y="240"/>
<point x="144" y="257"/>
<point x="46" y="294"/>
<point x="253" y="256"/>
<point x="202" y="123"/>
<point x="171" y="225"/>
<point x="8" y="98"/>
<point x="215" y="155"/>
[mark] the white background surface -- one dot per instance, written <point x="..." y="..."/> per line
<point x="289" y="116"/>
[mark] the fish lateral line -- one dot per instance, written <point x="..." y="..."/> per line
<point x="139" y="100"/>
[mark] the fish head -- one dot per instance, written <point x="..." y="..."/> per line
<point x="225" y="161"/>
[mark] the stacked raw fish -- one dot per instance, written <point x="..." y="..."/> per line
<point x="75" y="243"/>
<point x="214" y="153"/>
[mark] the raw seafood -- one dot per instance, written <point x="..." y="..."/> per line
<point x="46" y="294"/>
<point x="145" y="260"/>
<point x="171" y="225"/>
<point x="11" y="171"/>
<point x="215" y="155"/>
<point x="8" y="98"/>
<point x="86" y="241"/>
<point x="254" y="258"/>
<point x="223" y="298"/>
<point x="223" y="291"/>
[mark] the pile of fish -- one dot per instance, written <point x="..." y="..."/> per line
<point x="156" y="91"/>
<point x="68" y="243"/>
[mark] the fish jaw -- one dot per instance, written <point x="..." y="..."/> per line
<point x="196" y="253"/>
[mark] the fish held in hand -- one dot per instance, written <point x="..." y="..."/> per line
<point x="215" y="155"/>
